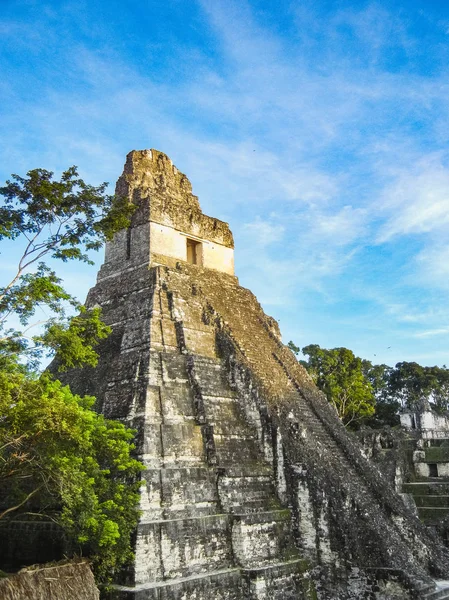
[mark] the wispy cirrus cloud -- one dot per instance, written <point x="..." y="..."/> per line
<point x="320" y="133"/>
<point x="432" y="332"/>
<point x="417" y="201"/>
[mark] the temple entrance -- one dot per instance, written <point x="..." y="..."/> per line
<point x="194" y="252"/>
<point x="433" y="470"/>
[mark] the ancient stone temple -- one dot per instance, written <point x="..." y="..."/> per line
<point x="253" y="488"/>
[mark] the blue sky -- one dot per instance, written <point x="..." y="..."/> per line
<point x="319" y="130"/>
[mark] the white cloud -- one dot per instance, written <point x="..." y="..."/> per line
<point x="432" y="332"/>
<point x="344" y="150"/>
<point x="417" y="201"/>
<point x="340" y="228"/>
<point x="264" y="232"/>
<point x="433" y="266"/>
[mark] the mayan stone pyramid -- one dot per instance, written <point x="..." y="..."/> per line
<point x="253" y="488"/>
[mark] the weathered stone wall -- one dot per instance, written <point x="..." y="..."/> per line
<point x="391" y="450"/>
<point x="164" y="198"/>
<point x="28" y="542"/>
<point x="167" y="242"/>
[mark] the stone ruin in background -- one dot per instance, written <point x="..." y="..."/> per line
<point x="253" y="489"/>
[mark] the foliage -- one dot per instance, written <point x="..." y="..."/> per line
<point x="374" y="394"/>
<point x="62" y="220"/>
<point x="339" y="374"/>
<point x="387" y="406"/>
<point x="294" y="348"/>
<point x="61" y="460"/>
<point x="417" y="388"/>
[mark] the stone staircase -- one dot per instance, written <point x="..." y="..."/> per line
<point x="428" y="592"/>
<point x="211" y="512"/>
<point x="312" y="438"/>
<point x="430" y="490"/>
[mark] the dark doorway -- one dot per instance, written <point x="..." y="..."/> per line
<point x="433" y="470"/>
<point x="194" y="252"/>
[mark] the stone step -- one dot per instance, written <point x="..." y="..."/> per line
<point x="226" y="414"/>
<point x="279" y="581"/>
<point x="222" y="584"/>
<point x="232" y="450"/>
<point x="422" y="488"/>
<point x="259" y="469"/>
<point x="170" y="549"/>
<point x="437" y="594"/>
<point x="259" y="539"/>
<point x="432" y="513"/>
<point x="429" y="501"/>
<point x="247" y="494"/>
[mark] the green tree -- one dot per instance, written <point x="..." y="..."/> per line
<point x="339" y="374"/>
<point x="59" y="459"/>
<point x="387" y="405"/>
<point x="294" y="348"/>
<point x="61" y="220"/>
<point x="419" y="388"/>
<point x="440" y="392"/>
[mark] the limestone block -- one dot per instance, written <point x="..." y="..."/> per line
<point x="280" y="582"/>
<point x="174" y="368"/>
<point x="115" y="250"/>
<point x="189" y="492"/>
<point x="127" y="366"/>
<point x="154" y="369"/>
<point x="168" y="241"/>
<point x="419" y="456"/>
<point x="182" y="443"/>
<point x="177" y="401"/>
<point x="137" y="247"/>
<point x="235" y="449"/>
<point x="136" y="334"/>
<point x="306" y="518"/>
<point x="443" y="469"/>
<point x="148" y="565"/>
<point x="263" y="537"/>
<point x="156" y="335"/>
<point x="212" y="378"/>
<point x="226" y="415"/>
<point x="153" y="404"/>
<point x="422" y="469"/>
<point x="200" y="342"/>
<point x="254" y="493"/>
<point x="168" y="333"/>
<point x="182" y="547"/>
<point x="119" y="401"/>
<point x="149" y="441"/>
<point x="151" y="495"/>
<point x="196" y="545"/>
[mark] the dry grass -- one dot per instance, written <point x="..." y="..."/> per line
<point x="70" y="580"/>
